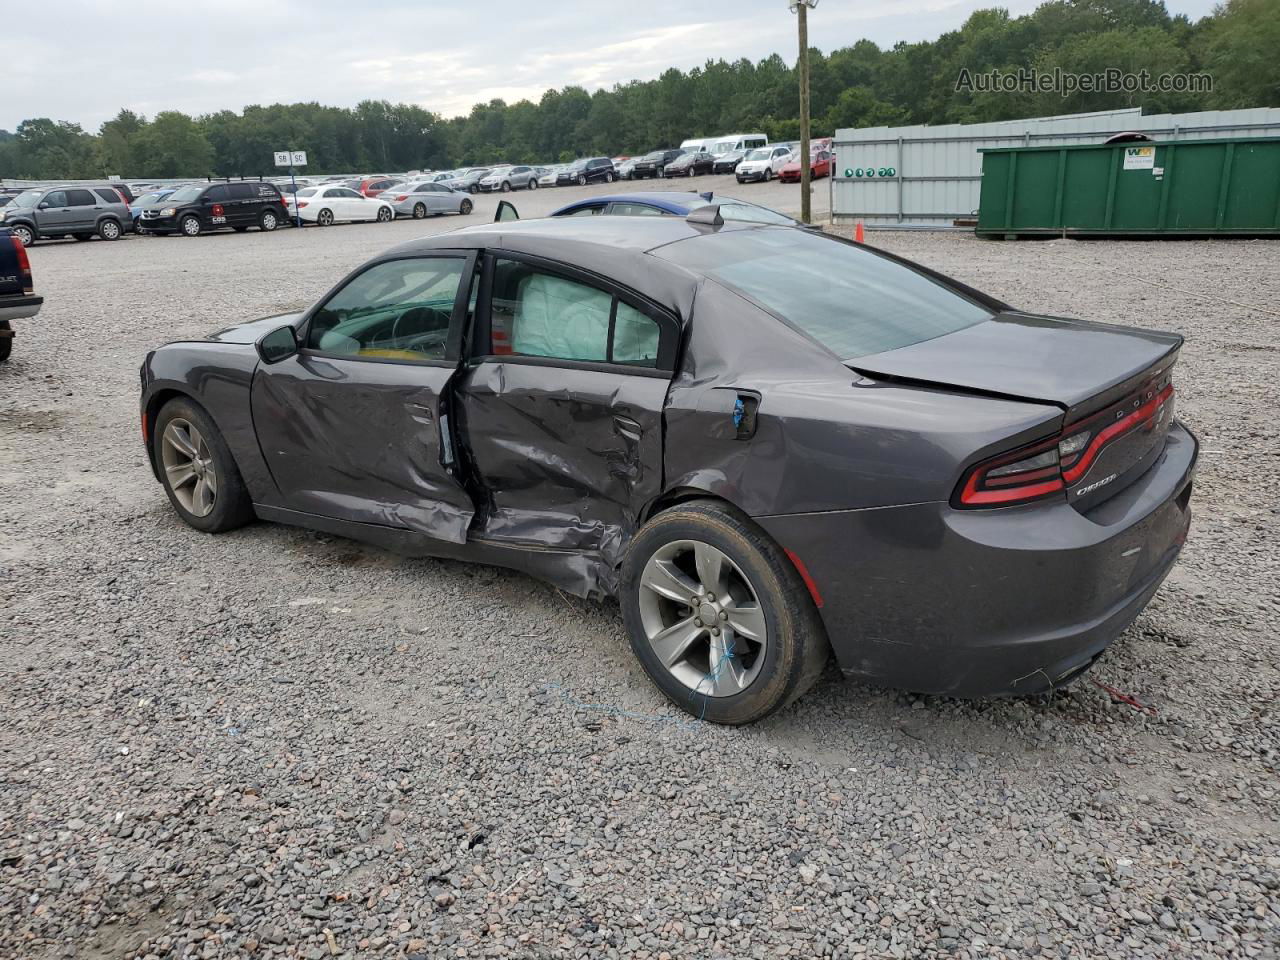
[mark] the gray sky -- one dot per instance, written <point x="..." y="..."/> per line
<point x="204" y="55"/>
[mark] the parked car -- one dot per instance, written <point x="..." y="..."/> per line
<point x="507" y="179"/>
<point x="325" y="206"/>
<point x="74" y="210"/>
<point x="691" y="164"/>
<point x="549" y="178"/>
<point x="728" y="162"/>
<point x="468" y="180"/>
<point x="626" y="169"/>
<point x="587" y="170"/>
<point x="738" y="142"/>
<point x="763" y="164"/>
<point x="372" y="186"/>
<point x="197" y="207"/>
<point x="427" y="199"/>
<point x="147" y="200"/>
<point x="673" y="203"/>
<point x="18" y="300"/>
<point x="824" y="446"/>
<point x="819" y="166"/>
<point x="654" y="164"/>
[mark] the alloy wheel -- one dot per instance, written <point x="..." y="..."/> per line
<point x="191" y="226"/>
<point x="703" y="618"/>
<point x="325" y="218"/>
<point x="24" y="234"/>
<point x="419" y="211"/>
<point x="269" y="221"/>
<point x="188" y="467"/>
<point x="384" y="214"/>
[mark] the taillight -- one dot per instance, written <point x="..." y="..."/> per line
<point x="301" y="203"/>
<point x="1048" y="467"/>
<point x="402" y="198"/>
<point x="24" y="265"/>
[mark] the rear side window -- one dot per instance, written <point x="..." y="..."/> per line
<point x="109" y="196"/>
<point x="634" y="210"/>
<point x="851" y="300"/>
<point x="80" y="198"/>
<point x="243" y="191"/>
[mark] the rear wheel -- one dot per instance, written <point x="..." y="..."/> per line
<point x="6" y="340"/>
<point x="465" y="207"/>
<point x="473" y="189"/>
<point x="268" y="221"/>
<point x="419" y="211"/>
<point x="325" y="218"/>
<point x="718" y="616"/>
<point x="109" y="230"/>
<point x="197" y="469"/>
<point x="84" y="236"/>
<point x="190" y="225"/>
<point x="385" y="214"/>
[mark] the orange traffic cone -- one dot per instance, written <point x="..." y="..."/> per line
<point x="858" y="235"/>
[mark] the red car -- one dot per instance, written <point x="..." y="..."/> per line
<point x="372" y="186"/>
<point x="819" y="166"/>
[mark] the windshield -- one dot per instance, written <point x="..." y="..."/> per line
<point x="27" y="198"/>
<point x="186" y="194"/>
<point x="577" y="165"/>
<point x="848" y="298"/>
<point x="759" y="155"/>
<point x="500" y="172"/>
<point x="724" y="146"/>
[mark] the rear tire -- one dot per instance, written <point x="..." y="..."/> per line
<point x="109" y="230"/>
<point x="182" y="420"/>
<point x="419" y="211"/>
<point x="268" y="221"/>
<point x="324" y="218"/>
<point x="756" y="589"/>
<point x="6" y="343"/>
<point x="385" y="215"/>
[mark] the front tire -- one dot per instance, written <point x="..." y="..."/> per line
<point x="582" y="179"/>
<point x="718" y="616"/>
<point x="26" y="236"/>
<point x="608" y="178"/>
<point x="190" y="225"/>
<point x="473" y="189"/>
<point x="506" y="186"/>
<point x="533" y="183"/>
<point x="198" y="472"/>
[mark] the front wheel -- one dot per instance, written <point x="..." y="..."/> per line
<point x="197" y="469"/>
<point x="384" y="214"/>
<point x="190" y="225"/>
<point x="506" y="186"/>
<point x="608" y="178"/>
<point x="268" y="221"/>
<point x="533" y="183"/>
<point x="26" y="236"/>
<point x="473" y="189"/>
<point x="465" y="207"/>
<point x="419" y="211"/>
<point x="582" y="179"/>
<point x="718" y="616"/>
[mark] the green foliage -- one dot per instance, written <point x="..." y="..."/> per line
<point x="857" y="86"/>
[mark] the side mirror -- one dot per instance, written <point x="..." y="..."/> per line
<point x="44" y="205"/>
<point x="280" y="344"/>
<point x="506" y="211"/>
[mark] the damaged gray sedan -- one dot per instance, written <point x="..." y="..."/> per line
<point x="770" y="445"/>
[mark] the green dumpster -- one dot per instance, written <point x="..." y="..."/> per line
<point x="1177" y="187"/>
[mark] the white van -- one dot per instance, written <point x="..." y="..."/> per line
<point x="730" y="142"/>
<point x="701" y="143"/>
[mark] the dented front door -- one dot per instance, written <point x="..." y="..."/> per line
<point x="356" y="425"/>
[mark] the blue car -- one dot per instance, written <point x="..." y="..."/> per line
<point x="155" y="196"/>
<point x="672" y="203"/>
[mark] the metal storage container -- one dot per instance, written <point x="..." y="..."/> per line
<point x="1184" y="187"/>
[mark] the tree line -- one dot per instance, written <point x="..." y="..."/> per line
<point x="857" y="86"/>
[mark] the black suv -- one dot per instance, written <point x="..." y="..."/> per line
<point x="238" y="204"/>
<point x="587" y="171"/>
<point x="654" y="164"/>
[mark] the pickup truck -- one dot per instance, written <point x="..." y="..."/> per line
<point x="17" y="297"/>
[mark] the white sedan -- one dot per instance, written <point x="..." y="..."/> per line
<point x="327" y="205"/>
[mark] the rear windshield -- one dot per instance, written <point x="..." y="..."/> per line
<point x="851" y="300"/>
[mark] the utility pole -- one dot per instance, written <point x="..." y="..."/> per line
<point x="802" y="8"/>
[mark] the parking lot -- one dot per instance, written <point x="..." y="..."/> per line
<point x="279" y="743"/>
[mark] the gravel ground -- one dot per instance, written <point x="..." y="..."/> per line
<point x="275" y="743"/>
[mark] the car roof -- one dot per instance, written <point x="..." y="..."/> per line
<point x="612" y="247"/>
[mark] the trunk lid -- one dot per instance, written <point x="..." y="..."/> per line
<point x="1114" y="385"/>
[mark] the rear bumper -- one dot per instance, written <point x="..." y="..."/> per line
<point x="977" y="603"/>
<point x="19" y="308"/>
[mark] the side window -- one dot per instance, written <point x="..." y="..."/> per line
<point x="634" y="210"/>
<point x="80" y="198"/>
<point x="108" y="196"/>
<point x="539" y="314"/>
<point x="536" y="314"/>
<point x="397" y="310"/>
<point x="635" y="337"/>
<point x="586" y="211"/>
<point x="243" y="191"/>
<point x="346" y="193"/>
<point x="218" y="194"/>
<point x="58" y="198"/>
